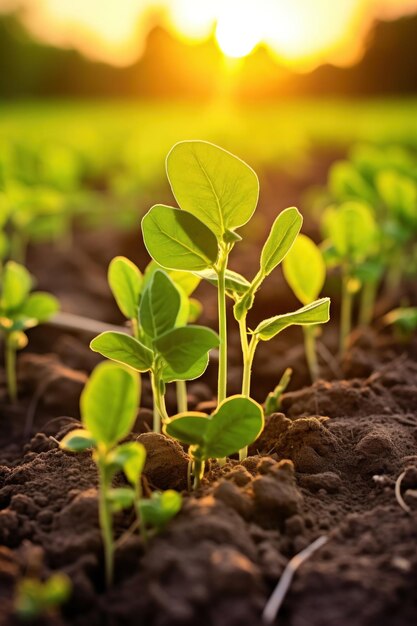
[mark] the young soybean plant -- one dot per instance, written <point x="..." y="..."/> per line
<point x="108" y="410"/>
<point x="353" y="237"/>
<point x="305" y="272"/>
<point x="19" y="311"/>
<point x="165" y="346"/>
<point x="235" y="424"/>
<point x="217" y="193"/>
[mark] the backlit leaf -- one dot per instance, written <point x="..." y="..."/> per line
<point x="304" y="269"/>
<point x="160" y="305"/>
<point x="182" y="347"/>
<point x="125" y="281"/>
<point x="283" y="233"/>
<point x="123" y="349"/>
<point x="16" y="285"/>
<point x="315" y="313"/>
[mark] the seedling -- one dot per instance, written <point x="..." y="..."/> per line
<point x="273" y="400"/>
<point x="165" y="346"/>
<point x="19" y="311"/>
<point x="108" y="407"/>
<point x="236" y="423"/>
<point x="217" y="193"/>
<point x="353" y="237"/>
<point x="36" y="598"/>
<point x="305" y="272"/>
<point x="404" y="321"/>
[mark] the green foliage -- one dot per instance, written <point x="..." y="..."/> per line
<point x="178" y="240"/>
<point x="160" y="508"/>
<point x="123" y="349"/>
<point x="304" y="269"/>
<point x="182" y="347"/>
<point x="273" y="400"/>
<point x="352" y="230"/>
<point x="215" y="186"/>
<point x="280" y="240"/>
<point x="125" y="281"/>
<point x="160" y="306"/>
<point x="19" y="311"/>
<point x="35" y="598"/>
<point x="317" y="312"/>
<point x="404" y="321"/>
<point x="236" y="423"/>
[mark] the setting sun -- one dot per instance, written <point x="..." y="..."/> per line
<point x="238" y="30"/>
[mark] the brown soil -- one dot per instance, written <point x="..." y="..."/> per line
<point x="326" y="465"/>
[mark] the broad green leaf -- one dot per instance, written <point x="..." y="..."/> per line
<point x="120" y="498"/>
<point x="187" y="281"/>
<point x="304" y="269"/>
<point x="315" y="313"/>
<point x="160" y="305"/>
<point x="217" y="187"/>
<point x="125" y="281"/>
<point x="280" y="239"/>
<point x="160" y="508"/>
<point x="130" y="457"/>
<point x="182" y="347"/>
<point x="123" y="349"/>
<point x="353" y="231"/>
<point x="40" y="306"/>
<point x="77" y="440"/>
<point x="17" y="283"/>
<point x="235" y="283"/>
<point x="109" y="402"/>
<point x="189" y="428"/>
<point x="195" y="371"/>
<point x="236" y="423"/>
<point x="178" y="240"/>
<point x="56" y="590"/>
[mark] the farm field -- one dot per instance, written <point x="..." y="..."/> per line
<point x="126" y="507"/>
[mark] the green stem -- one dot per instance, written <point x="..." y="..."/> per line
<point x="182" y="403"/>
<point x="105" y="517"/>
<point x="160" y="410"/>
<point x="367" y="303"/>
<point x="311" y="352"/>
<point x="10" y="358"/>
<point x="248" y="356"/>
<point x="222" y="375"/>
<point x="198" y="472"/>
<point x="346" y="315"/>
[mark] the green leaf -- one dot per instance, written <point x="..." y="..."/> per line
<point x="235" y="283"/>
<point x="160" y="508"/>
<point x="280" y="239"/>
<point x="125" y="281"/>
<point x="304" y="269"/>
<point x="109" y="403"/>
<point x="273" y="400"/>
<point x="399" y="193"/>
<point x="182" y="347"/>
<point x="40" y="306"/>
<point x="346" y="183"/>
<point x="78" y="440"/>
<point x="195" y="371"/>
<point x="189" y="428"/>
<point x="123" y="349"/>
<point x="56" y="590"/>
<point x="160" y="305"/>
<point x="317" y="312"/>
<point x="352" y="230"/>
<point x="217" y="187"/>
<point x="236" y="423"/>
<point x="130" y="457"/>
<point x="17" y="283"/>
<point x="120" y="498"/>
<point x="178" y="240"/>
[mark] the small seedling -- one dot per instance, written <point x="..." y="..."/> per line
<point x="36" y="598"/>
<point x="108" y="407"/>
<point x="353" y="237"/>
<point x="404" y="321"/>
<point x="305" y="272"/>
<point x="19" y="311"/>
<point x="235" y="424"/>
<point x="217" y="193"/>
<point x="167" y="348"/>
<point x="273" y="400"/>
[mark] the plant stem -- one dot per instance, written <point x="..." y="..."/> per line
<point x="310" y="350"/>
<point x="198" y="472"/>
<point x="10" y="358"/>
<point x="346" y="314"/>
<point x="366" y="310"/>
<point x="105" y="518"/>
<point x="160" y="410"/>
<point x="248" y="356"/>
<point x="182" y="403"/>
<point x="222" y="375"/>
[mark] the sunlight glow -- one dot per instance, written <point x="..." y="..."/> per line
<point x="300" y="33"/>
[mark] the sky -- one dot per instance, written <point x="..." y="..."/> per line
<point x="300" y="33"/>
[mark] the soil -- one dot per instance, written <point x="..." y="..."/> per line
<point x="326" y="465"/>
